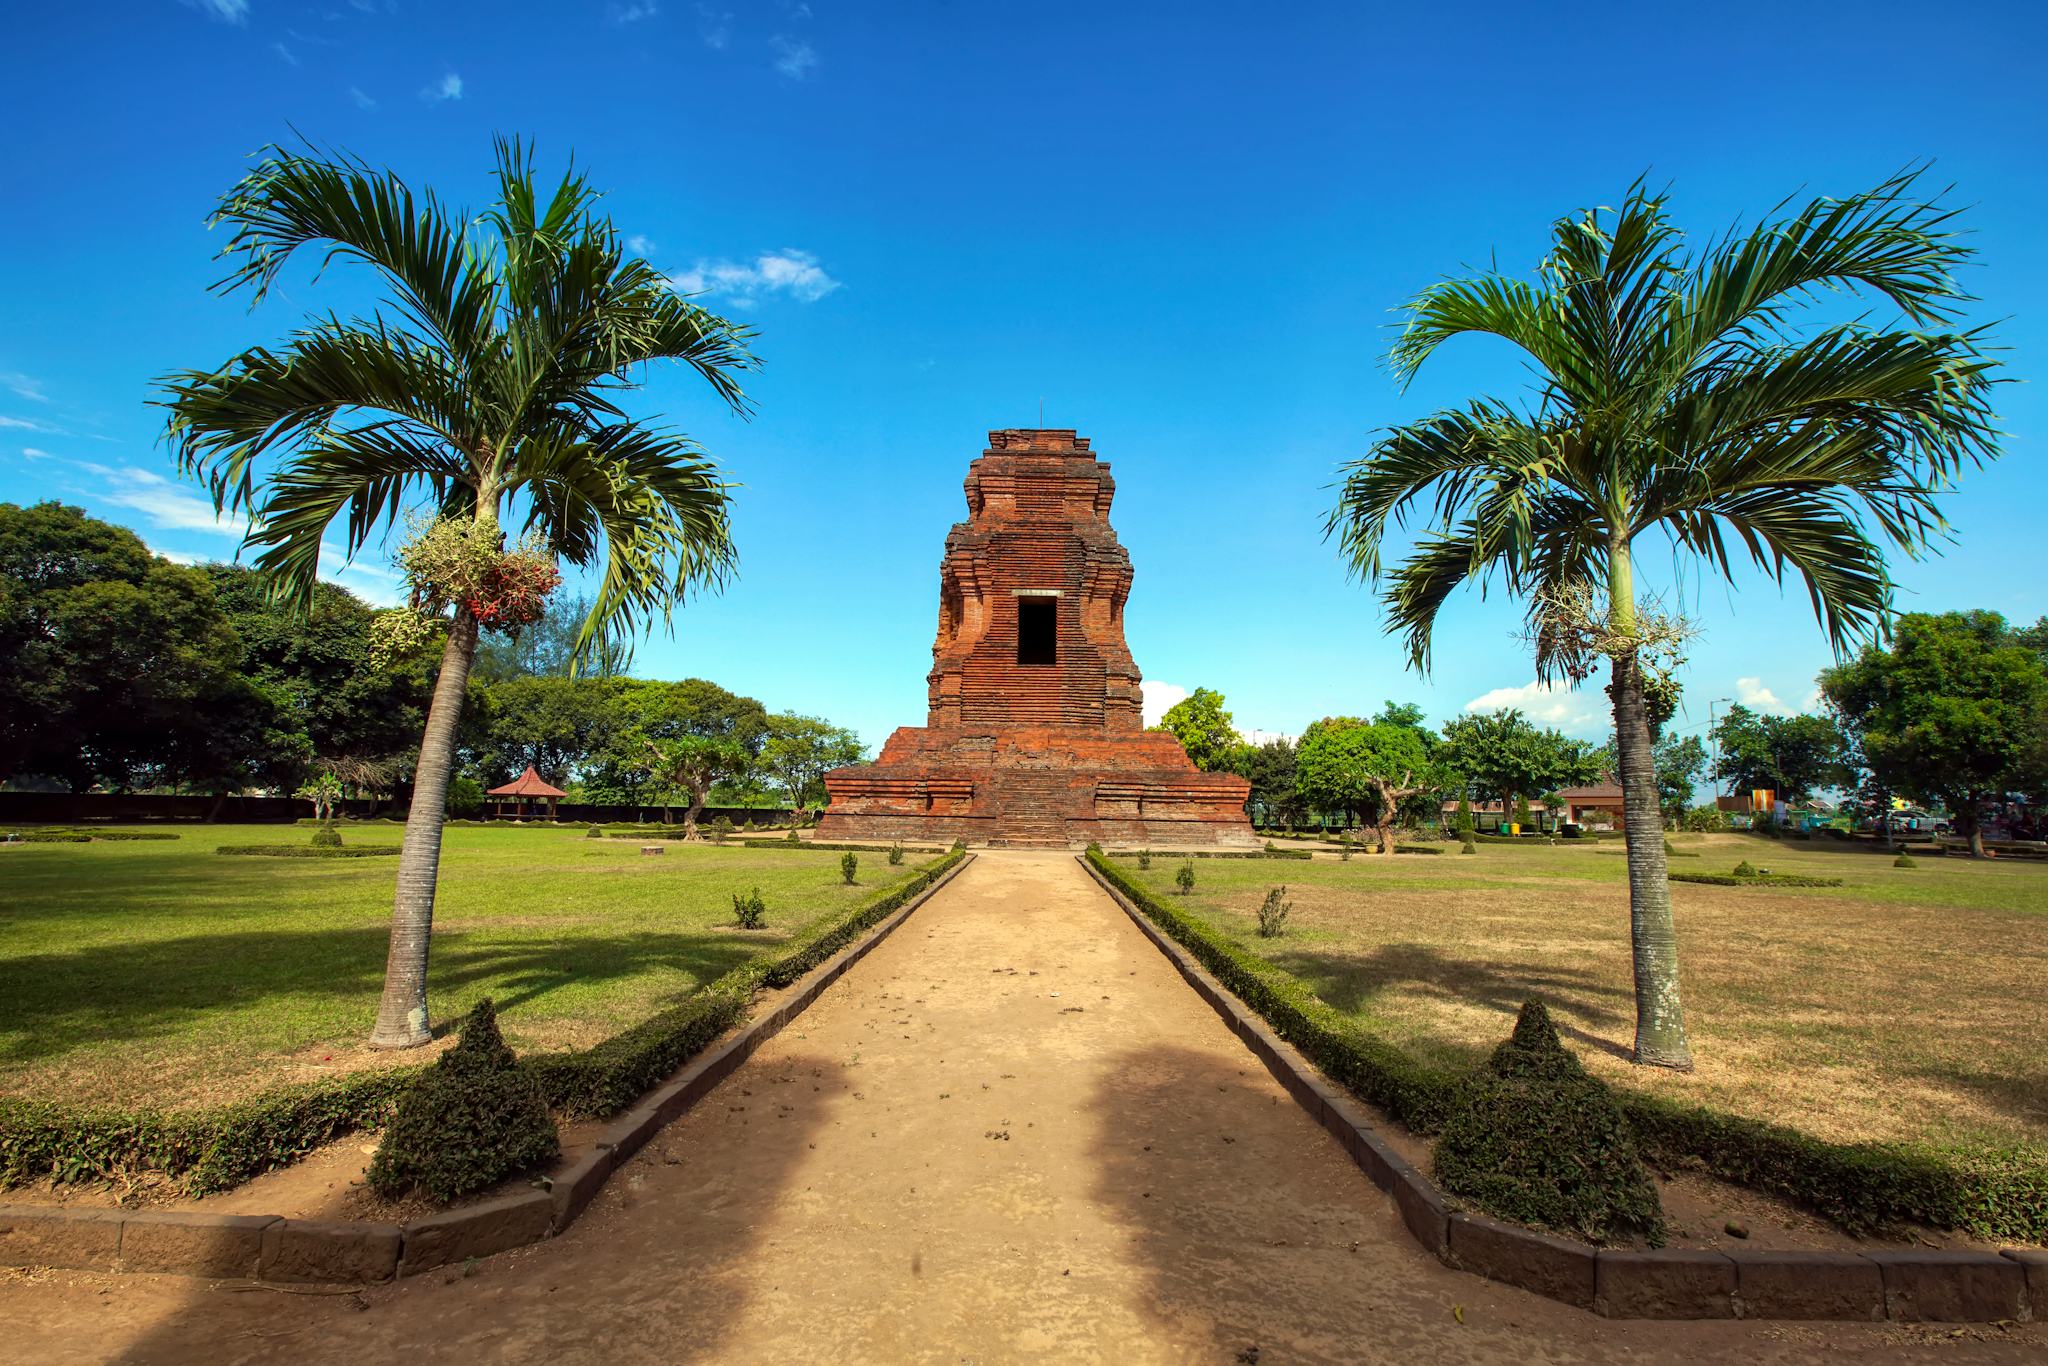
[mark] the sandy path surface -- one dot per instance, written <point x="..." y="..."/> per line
<point x="1010" y="1133"/>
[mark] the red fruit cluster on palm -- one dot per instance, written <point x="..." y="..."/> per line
<point x="514" y="590"/>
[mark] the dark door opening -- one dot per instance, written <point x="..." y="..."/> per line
<point x="1038" y="631"/>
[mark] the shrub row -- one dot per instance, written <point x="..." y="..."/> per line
<point x="213" y="1150"/>
<point x="310" y="850"/>
<point x="1756" y="879"/>
<point x="209" y="1150"/>
<point x="1863" y="1187"/>
<point x="65" y="834"/>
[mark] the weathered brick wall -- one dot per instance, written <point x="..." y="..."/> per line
<point x="1029" y="752"/>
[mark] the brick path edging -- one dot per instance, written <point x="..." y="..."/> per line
<point x="1668" y="1283"/>
<point x="272" y="1248"/>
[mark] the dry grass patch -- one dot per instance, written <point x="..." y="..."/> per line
<point x="1904" y="1005"/>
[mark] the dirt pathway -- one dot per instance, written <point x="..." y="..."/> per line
<point x="1010" y="1133"/>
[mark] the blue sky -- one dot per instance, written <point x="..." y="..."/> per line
<point x="1181" y="227"/>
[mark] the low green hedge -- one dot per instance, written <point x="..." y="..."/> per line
<point x="310" y="850"/>
<point x="1864" y="1187"/>
<point x="52" y="837"/>
<point x="1756" y="880"/>
<point x="214" y="1150"/>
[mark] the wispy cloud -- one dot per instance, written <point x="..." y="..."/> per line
<point x="796" y="60"/>
<point x="1546" y="703"/>
<point x="449" y="87"/>
<point x="640" y="244"/>
<point x="795" y="274"/>
<point x="1752" y="693"/>
<point x="714" y="26"/>
<point x="633" y="11"/>
<point x="362" y="101"/>
<point x="184" y="557"/>
<point x="163" y="503"/>
<point x="24" y="424"/>
<point x="281" y="50"/>
<point x="34" y="453"/>
<point x="227" y="11"/>
<point x="23" y="386"/>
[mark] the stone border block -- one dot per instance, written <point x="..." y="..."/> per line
<point x="1807" y="1285"/>
<point x="477" y="1230"/>
<point x="1951" y="1287"/>
<point x="80" y="1239"/>
<point x="1422" y="1208"/>
<point x="576" y="1185"/>
<point x="329" y="1253"/>
<point x="1667" y="1283"/>
<point x="1553" y="1267"/>
<point x="188" y="1243"/>
<point x="2034" y="1263"/>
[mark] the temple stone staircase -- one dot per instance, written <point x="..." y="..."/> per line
<point x="1030" y="802"/>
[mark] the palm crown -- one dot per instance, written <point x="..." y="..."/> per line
<point x="1680" y="393"/>
<point x="491" y="394"/>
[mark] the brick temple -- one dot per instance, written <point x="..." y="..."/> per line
<point x="1035" y="735"/>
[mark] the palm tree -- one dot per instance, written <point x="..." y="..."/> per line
<point x="1691" y="393"/>
<point x="488" y="396"/>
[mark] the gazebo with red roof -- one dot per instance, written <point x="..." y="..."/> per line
<point x="528" y="786"/>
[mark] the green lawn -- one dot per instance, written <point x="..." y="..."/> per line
<point x="138" y="972"/>
<point x="1907" y="1004"/>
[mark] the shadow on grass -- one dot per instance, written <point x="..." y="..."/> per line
<point x="58" y="1001"/>
<point x="1354" y="983"/>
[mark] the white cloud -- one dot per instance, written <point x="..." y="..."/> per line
<point x="164" y="503"/>
<point x="640" y="244"/>
<point x="227" y="11"/>
<point x="1547" y="704"/>
<point x="362" y="101"/>
<point x="281" y="50"/>
<point x="1752" y="693"/>
<point x="714" y="26"/>
<point x="792" y="59"/>
<point x="634" y="11"/>
<point x="1160" y="698"/>
<point x="32" y="453"/>
<point x="794" y="273"/>
<point x="176" y="556"/>
<point x="449" y="87"/>
<point x="23" y="424"/>
<point x="23" y="386"/>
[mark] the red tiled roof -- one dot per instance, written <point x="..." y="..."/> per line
<point x="527" y="784"/>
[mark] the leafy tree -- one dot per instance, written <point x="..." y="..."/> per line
<point x="555" y="723"/>
<point x="1689" y="394"/>
<point x="339" y="704"/>
<point x="690" y="765"/>
<point x="1679" y="761"/>
<point x="1204" y="730"/>
<point x="1791" y="755"/>
<point x="1269" y="768"/>
<point x="800" y="750"/>
<point x="1367" y="767"/>
<point x="116" y="666"/>
<point x="1953" y="711"/>
<point x="489" y="391"/>
<point x="1506" y="757"/>
<point x="645" y="709"/>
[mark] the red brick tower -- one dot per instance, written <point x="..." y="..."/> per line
<point x="1035" y="734"/>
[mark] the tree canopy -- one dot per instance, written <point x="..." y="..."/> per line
<point x="1794" y="756"/>
<point x="1952" y="711"/>
<point x="1204" y="730"/>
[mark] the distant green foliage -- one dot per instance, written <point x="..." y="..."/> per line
<point x="721" y="829"/>
<point x="327" y="836"/>
<point x="1905" y="861"/>
<point x="1273" y="914"/>
<point x="310" y="850"/>
<point x="895" y="854"/>
<point x="1745" y="869"/>
<point x="1534" y="1139"/>
<point x="595" y="832"/>
<point x="849" y="864"/>
<point x="1185" y="878"/>
<point x="1203" y="728"/>
<point x="1144" y="858"/>
<point x="465" y="795"/>
<point x="748" y="910"/>
<point x="471" y="1120"/>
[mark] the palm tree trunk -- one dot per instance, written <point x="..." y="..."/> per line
<point x="1660" y="1017"/>
<point x="402" y="1014"/>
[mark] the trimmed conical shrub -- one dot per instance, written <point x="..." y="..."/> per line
<point x="470" y="1121"/>
<point x="1534" y="1139"/>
